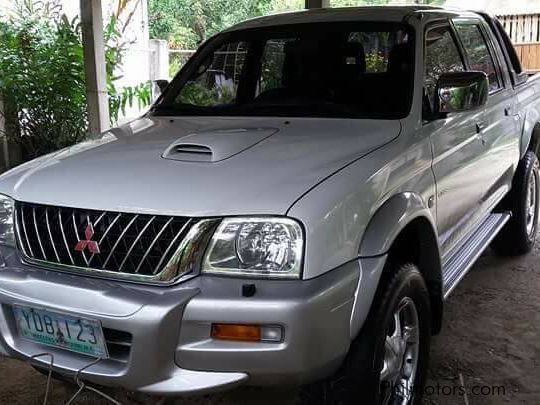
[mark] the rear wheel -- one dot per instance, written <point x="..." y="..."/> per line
<point x="519" y="234"/>
<point x="387" y="362"/>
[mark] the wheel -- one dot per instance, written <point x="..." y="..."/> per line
<point x="519" y="234"/>
<point x="387" y="362"/>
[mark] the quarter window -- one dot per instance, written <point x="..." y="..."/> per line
<point x="478" y="53"/>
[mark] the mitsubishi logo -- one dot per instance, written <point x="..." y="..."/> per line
<point x="92" y="245"/>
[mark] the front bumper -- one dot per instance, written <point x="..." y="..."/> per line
<point x="171" y="351"/>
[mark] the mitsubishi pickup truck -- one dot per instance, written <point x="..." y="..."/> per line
<point x="294" y="209"/>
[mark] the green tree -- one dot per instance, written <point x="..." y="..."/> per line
<point x="185" y="24"/>
<point x="357" y="3"/>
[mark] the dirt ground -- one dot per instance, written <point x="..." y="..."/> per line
<point x="487" y="353"/>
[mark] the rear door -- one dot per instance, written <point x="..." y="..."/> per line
<point x="499" y="127"/>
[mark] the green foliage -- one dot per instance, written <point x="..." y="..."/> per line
<point x="195" y="93"/>
<point x="120" y="100"/>
<point x="42" y="79"/>
<point x="358" y="3"/>
<point x="198" y="94"/>
<point x="185" y="24"/>
<point x="375" y="62"/>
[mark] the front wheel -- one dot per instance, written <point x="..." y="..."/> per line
<point x="387" y="362"/>
<point x="519" y="234"/>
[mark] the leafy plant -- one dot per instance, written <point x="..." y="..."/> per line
<point x="42" y="81"/>
<point x="127" y="96"/>
<point x="185" y="24"/>
<point x="375" y="62"/>
<point x="41" y="78"/>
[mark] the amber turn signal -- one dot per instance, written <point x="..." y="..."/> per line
<point x="248" y="333"/>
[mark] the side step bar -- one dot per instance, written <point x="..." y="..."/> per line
<point x="457" y="265"/>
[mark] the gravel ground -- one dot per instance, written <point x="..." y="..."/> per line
<point x="489" y="345"/>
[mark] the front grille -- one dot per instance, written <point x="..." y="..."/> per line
<point x="126" y="244"/>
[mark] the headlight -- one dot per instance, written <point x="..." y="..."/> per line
<point x="268" y="247"/>
<point x="7" y="235"/>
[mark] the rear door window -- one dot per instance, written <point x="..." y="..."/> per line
<point x="478" y="53"/>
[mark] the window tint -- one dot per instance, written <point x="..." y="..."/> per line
<point x="216" y="81"/>
<point x="478" y="53"/>
<point x="441" y="56"/>
<point x="364" y="52"/>
<point x="272" y="62"/>
<point x="317" y="69"/>
<point x="377" y="47"/>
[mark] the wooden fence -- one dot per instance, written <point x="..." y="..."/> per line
<point x="524" y="31"/>
<point x="529" y="54"/>
<point x="524" y="28"/>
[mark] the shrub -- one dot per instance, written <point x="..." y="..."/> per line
<point x="42" y="79"/>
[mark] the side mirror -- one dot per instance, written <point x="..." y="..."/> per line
<point x="161" y="84"/>
<point x="461" y="91"/>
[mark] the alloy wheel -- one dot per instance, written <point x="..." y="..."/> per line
<point x="531" y="201"/>
<point x="401" y="354"/>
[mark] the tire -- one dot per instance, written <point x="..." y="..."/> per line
<point x="519" y="234"/>
<point x="359" y="380"/>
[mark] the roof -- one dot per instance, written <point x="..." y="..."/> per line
<point x="499" y="7"/>
<point x="373" y="13"/>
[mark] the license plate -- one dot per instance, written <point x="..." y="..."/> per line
<point x="68" y="332"/>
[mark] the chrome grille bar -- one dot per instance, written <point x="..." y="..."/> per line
<point x="64" y="236"/>
<point x="50" y="234"/>
<point x="26" y="233"/>
<point x="135" y="242"/>
<point x="118" y="240"/>
<point x="152" y="245"/>
<point x="37" y="234"/>
<point x="170" y="246"/>
<point x="96" y="222"/>
<point x="105" y="234"/>
<point x="18" y="232"/>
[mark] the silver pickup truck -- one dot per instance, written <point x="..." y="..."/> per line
<point x="294" y="209"/>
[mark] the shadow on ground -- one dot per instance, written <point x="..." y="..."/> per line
<point x="488" y="351"/>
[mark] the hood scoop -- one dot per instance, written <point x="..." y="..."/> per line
<point x="187" y="151"/>
<point x="217" y="145"/>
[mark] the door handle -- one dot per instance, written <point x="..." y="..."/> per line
<point x="480" y="126"/>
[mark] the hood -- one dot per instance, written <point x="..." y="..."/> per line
<point x="198" y="166"/>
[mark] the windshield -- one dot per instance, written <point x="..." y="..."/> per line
<point x="311" y="70"/>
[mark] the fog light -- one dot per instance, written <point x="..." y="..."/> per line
<point x="271" y="334"/>
<point x="247" y="333"/>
